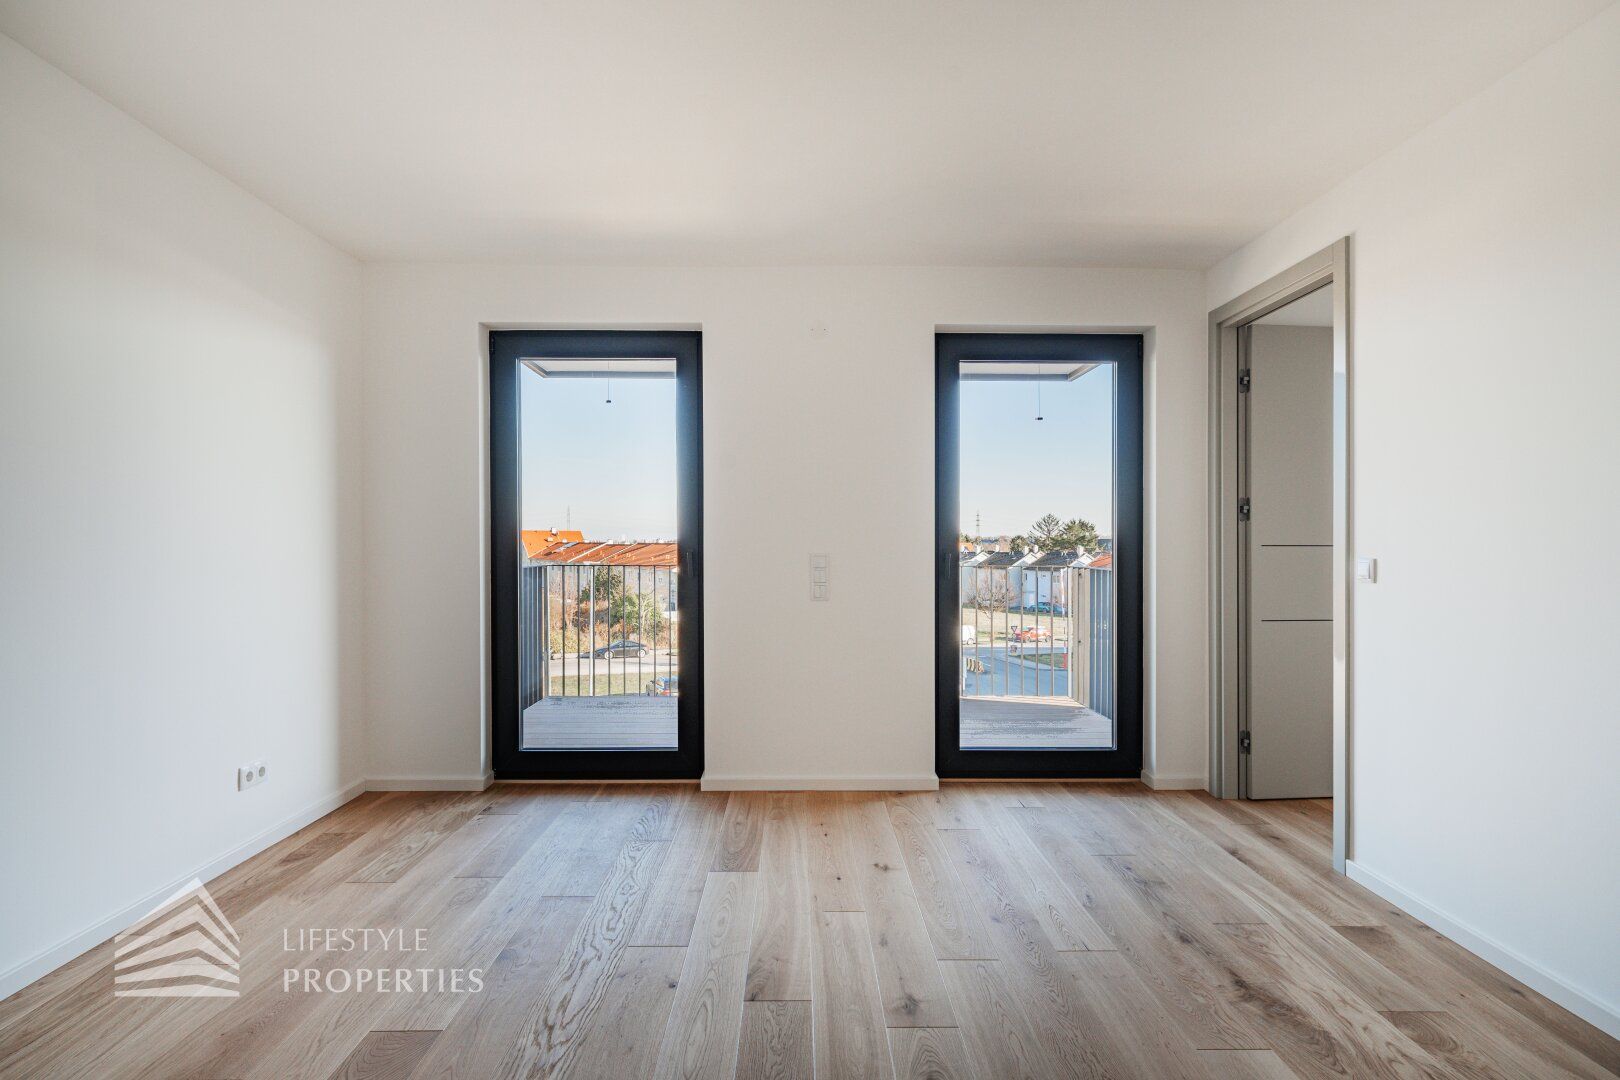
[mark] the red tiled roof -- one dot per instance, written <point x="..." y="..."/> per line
<point x="536" y="540"/>
<point x="1105" y="561"/>
<point x="565" y="553"/>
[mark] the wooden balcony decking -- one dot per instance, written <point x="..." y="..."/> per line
<point x="617" y="722"/>
<point x="633" y="721"/>
<point x="1028" y="723"/>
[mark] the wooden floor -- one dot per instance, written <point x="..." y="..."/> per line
<point x="994" y="931"/>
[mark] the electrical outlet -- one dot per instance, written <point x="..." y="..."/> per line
<point x="252" y="775"/>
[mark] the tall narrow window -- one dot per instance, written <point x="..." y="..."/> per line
<point x="596" y="540"/>
<point x="1039" y="519"/>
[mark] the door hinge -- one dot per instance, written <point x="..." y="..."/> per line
<point x="1243" y="508"/>
<point x="1245" y="742"/>
<point x="1245" y="380"/>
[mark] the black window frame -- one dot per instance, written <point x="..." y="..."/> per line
<point x="1124" y="352"/>
<point x="506" y="349"/>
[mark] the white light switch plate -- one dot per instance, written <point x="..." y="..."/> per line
<point x="1367" y="570"/>
<point x="820" y="577"/>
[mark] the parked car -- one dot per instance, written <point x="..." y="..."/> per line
<point x="620" y="648"/>
<point x="664" y="686"/>
<point x="1030" y="633"/>
<point x="969" y="634"/>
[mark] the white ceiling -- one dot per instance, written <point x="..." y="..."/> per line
<point x="1031" y="132"/>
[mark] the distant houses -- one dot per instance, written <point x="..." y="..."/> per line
<point x="998" y="578"/>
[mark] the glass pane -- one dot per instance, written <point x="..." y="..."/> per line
<point x="600" y="667"/>
<point x="1036" y="562"/>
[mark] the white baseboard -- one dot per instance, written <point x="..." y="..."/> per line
<point x="1527" y="971"/>
<point x="49" y="960"/>
<point x="430" y="783"/>
<point x="1159" y="782"/>
<point x="915" y="782"/>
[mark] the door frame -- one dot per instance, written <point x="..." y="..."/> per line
<point x="1125" y="352"/>
<point x="1331" y="265"/>
<point x="506" y="349"/>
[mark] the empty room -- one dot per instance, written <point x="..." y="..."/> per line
<point x="857" y="541"/>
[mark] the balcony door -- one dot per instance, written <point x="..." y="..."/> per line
<point x="596" y="547"/>
<point x="1039" y="555"/>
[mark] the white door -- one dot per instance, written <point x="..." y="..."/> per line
<point x="1287" y="416"/>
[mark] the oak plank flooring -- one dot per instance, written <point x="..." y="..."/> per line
<point x="702" y="1034"/>
<point x="477" y="1040"/>
<point x="513" y="842"/>
<point x="1061" y="916"/>
<point x="832" y="878"/>
<point x="952" y="806"/>
<point x="910" y="988"/>
<point x="413" y="846"/>
<point x="1245" y="1065"/>
<point x="1133" y="1034"/>
<point x="319" y="1036"/>
<point x="1327" y="1029"/>
<point x="929" y="1054"/>
<point x="954" y="925"/>
<point x="779" y="956"/>
<point x="573" y="995"/>
<point x="386" y="1055"/>
<point x="625" y="1039"/>
<point x="36" y="1042"/>
<point x="672" y="902"/>
<point x="1580" y="1051"/>
<point x="1001" y="1041"/>
<point x="985" y="930"/>
<point x="846" y="1015"/>
<point x="776" y="1041"/>
<point x="741" y="833"/>
<point x="236" y="1041"/>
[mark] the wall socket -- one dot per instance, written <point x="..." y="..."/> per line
<point x="252" y="775"/>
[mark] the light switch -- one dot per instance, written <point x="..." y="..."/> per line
<point x="1367" y="570"/>
<point x="820" y="577"/>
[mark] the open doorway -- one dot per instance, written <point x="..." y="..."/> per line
<point x="1280" y="486"/>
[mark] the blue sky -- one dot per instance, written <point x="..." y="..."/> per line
<point x="614" y="465"/>
<point x="1015" y="468"/>
<point x="611" y="468"/>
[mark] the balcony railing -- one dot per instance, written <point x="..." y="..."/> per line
<point x="595" y="630"/>
<point x="1033" y="631"/>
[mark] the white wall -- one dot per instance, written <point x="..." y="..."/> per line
<point x="179" y="532"/>
<point x="811" y="444"/>
<point x="1484" y="284"/>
